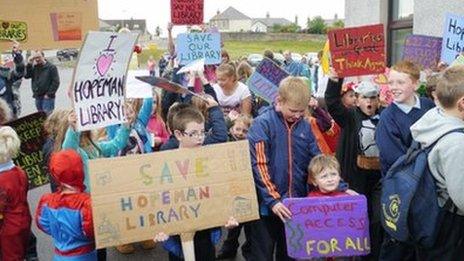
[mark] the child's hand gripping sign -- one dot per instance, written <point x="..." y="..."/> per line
<point x="327" y="227"/>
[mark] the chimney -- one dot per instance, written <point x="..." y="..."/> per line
<point x="217" y="12"/>
<point x="268" y="15"/>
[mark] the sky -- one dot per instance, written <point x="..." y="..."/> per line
<point x="157" y="12"/>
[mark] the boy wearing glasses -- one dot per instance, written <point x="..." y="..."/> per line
<point x="188" y="126"/>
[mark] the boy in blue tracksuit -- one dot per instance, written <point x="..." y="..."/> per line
<point x="281" y="146"/>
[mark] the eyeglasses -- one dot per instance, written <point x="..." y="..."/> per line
<point x="195" y="134"/>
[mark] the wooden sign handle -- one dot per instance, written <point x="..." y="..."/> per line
<point x="187" y="246"/>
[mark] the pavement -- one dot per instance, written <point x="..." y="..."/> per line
<point x="44" y="242"/>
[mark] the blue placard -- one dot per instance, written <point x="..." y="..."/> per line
<point x="453" y="38"/>
<point x="265" y="81"/>
<point x="195" y="46"/>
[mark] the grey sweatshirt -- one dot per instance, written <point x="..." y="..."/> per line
<point x="446" y="160"/>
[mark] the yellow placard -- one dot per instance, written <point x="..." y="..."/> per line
<point x="174" y="192"/>
<point x="47" y="24"/>
<point x="325" y="60"/>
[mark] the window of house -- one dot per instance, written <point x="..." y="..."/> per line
<point x="400" y="24"/>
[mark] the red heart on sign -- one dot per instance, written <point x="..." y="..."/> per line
<point x="5" y="25"/>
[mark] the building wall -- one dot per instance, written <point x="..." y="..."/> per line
<point x="429" y="15"/>
<point x="259" y="27"/>
<point x="364" y="12"/>
<point x="239" y="25"/>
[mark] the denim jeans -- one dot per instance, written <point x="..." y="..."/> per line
<point x="46" y="105"/>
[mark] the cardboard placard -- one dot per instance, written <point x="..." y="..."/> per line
<point x="187" y="12"/>
<point x="100" y="77"/>
<point x="422" y="50"/>
<point x="265" y="80"/>
<point x="358" y="50"/>
<point x="48" y="24"/>
<point x="66" y="26"/>
<point x="13" y="31"/>
<point x="175" y="192"/>
<point x="453" y="38"/>
<point x="195" y="46"/>
<point x="327" y="227"/>
<point x="30" y="157"/>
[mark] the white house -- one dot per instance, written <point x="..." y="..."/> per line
<point x="231" y="20"/>
<point x="265" y="24"/>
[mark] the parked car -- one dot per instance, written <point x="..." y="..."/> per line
<point x="67" y="54"/>
<point x="254" y="59"/>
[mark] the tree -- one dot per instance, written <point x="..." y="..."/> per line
<point x="290" y="28"/>
<point x="317" y="26"/>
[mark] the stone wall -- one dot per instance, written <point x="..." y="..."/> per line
<point x="250" y="37"/>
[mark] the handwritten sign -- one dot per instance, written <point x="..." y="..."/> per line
<point x="187" y="12"/>
<point x="174" y="192"/>
<point x="195" y="46"/>
<point x="47" y="24"/>
<point x="265" y="81"/>
<point x="358" y="50"/>
<point x="100" y="77"/>
<point x="66" y="26"/>
<point x="453" y="38"/>
<point x="327" y="227"/>
<point x="13" y="30"/>
<point x="423" y="50"/>
<point x="30" y="157"/>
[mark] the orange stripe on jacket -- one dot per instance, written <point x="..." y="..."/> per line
<point x="263" y="170"/>
<point x="321" y="142"/>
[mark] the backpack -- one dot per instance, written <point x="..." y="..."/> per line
<point x="409" y="199"/>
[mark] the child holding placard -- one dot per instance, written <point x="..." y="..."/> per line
<point x="188" y="126"/>
<point x="324" y="175"/>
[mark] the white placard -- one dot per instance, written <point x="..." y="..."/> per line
<point x="100" y="77"/>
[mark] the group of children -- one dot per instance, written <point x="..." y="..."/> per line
<point x="292" y="146"/>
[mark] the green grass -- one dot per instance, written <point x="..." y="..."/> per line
<point x="237" y="49"/>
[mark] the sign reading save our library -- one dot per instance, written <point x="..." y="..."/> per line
<point x="195" y="46"/>
<point x="358" y="50"/>
<point x="327" y="227"/>
<point x="100" y="77"/>
<point x="175" y="192"/>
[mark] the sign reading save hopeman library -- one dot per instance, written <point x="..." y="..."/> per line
<point x="177" y="191"/>
<point x="358" y="50"/>
<point x="100" y="77"/>
<point x="327" y="227"/>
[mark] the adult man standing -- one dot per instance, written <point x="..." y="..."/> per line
<point x="44" y="81"/>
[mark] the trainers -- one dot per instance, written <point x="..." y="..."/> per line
<point x="148" y="244"/>
<point x="126" y="249"/>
